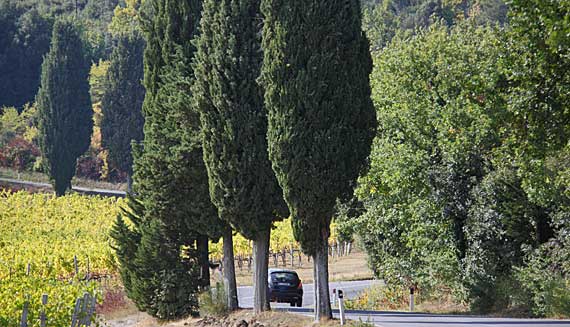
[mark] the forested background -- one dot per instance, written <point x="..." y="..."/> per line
<point x="467" y="192"/>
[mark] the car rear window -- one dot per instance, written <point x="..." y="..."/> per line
<point x="284" y="277"/>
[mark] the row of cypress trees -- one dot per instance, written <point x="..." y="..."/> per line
<point x="65" y="114"/>
<point x="223" y="148"/>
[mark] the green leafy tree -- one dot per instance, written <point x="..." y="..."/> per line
<point x="321" y="119"/>
<point x="122" y="101"/>
<point x="242" y="184"/>
<point x="64" y="106"/>
<point x="440" y="98"/>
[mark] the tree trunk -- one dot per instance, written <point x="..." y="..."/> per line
<point x="129" y="184"/>
<point x="260" y="267"/>
<point x="321" y="266"/>
<point x="204" y="259"/>
<point x="229" y="270"/>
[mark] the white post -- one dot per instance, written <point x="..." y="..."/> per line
<point x="341" y="307"/>
<point x="412" y="299"/>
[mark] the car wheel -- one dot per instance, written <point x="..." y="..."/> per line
<point x="299" y="303"/>
<point x="292" y="303"/>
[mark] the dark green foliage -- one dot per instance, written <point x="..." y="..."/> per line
<point x="24" y="40"/>
<point x="122" y="101"/>
<point x="158" y="275"/>
<point x="64" y="105"/>
<point x="321" y="119"/>
<point x="170" y="179"/>
<point x="170" y="175"/>
<point x="499" y="227"/>
<point x="242" y="184"/>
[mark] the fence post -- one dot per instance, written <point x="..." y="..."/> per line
<point x="28" y="269"/>
<point x="24" y="319"/>
<point x="341" y="307"/>
<point x="88" y="277"/>
<point x="91" y="310"/>
<point x="75" y="265"/>
<point x="76" y="313"/>
<point x="43" y="318"/>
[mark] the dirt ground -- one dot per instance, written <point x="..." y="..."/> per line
<point x="351" y="267"/>
<point x="242" y="318"/>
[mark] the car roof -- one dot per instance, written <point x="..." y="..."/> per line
<point x="274" y="270"/>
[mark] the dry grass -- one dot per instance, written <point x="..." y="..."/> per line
<point x="352" y="267"/>
<point x="266" y="319"/>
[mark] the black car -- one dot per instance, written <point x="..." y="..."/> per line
<point x="285" y="287"/>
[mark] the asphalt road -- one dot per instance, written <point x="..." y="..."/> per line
<point x="350" y="289"/>
<point x="397" y="319"/>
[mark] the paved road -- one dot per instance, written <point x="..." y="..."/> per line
<point x="94" y="191"/>
<point x="406" y="319"/>
<point x="398" y="319"/>
<point x="351" y="290"/>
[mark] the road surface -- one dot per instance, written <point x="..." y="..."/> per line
<point x="398" y="319"/>
<point x="85" y="190"/>
<point x="350" y="289"/>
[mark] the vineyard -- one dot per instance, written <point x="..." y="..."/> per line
<point x="40" y="236"/>
<point x="49" y="245"/>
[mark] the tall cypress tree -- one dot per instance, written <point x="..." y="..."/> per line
<point x="170" y="179"/>
<point x="242" y="184"/>
<point x="122" y="102"/>
<point x="64" y="105"/>
<point x="321" y="118"/>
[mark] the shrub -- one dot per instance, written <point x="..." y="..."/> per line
<point x="18" y="154"/>
<point x="213" y="302"/>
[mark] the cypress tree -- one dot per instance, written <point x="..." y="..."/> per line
<point x="64" y="105"/>
<point x="122" y="102"/>
<point x="158" y="279"/>
<point x="242" y="184"/>
<point x="321" y="118"/>
<point x="170" y="178"/>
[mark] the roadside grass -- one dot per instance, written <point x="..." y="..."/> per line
<point x="383" y="298"/>
<point x="347" y="268"/>
<point x="43" y="178"/>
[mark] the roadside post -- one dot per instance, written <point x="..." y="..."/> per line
<point x="334" y="297"/>
<point x="341" y="307"/>
<point x="412" y="299"/>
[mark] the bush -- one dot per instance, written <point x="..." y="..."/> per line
<point x="18" y="154"/>
<point x="213" y="302"/>
<point x="546" y="281"/>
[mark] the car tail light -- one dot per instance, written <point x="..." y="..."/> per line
<point x="300" y="285"/>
